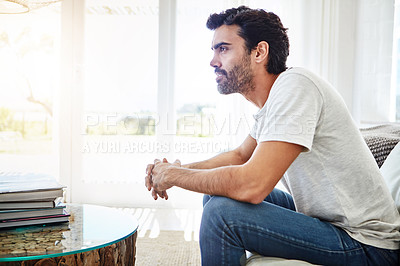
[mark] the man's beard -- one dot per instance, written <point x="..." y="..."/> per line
<point x="239" y="79"/>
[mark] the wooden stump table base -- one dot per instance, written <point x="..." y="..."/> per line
<point x="120" y="253"/>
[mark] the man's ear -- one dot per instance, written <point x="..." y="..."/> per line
<point x="261" y="52"/>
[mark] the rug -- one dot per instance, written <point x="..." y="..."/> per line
<point x="168" y="248"/>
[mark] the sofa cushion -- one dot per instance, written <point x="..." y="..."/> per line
<point x="258" y="260"/>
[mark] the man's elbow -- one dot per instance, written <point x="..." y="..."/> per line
<point x="251" y="190"/>
<point x="257" y="199"/>
<point x="254" y="196"/>
<point x="254" y="200"/>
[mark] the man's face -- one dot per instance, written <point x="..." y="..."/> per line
<point x="231" y="61"/>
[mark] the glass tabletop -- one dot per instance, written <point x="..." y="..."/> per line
<point x="89" y="227"/>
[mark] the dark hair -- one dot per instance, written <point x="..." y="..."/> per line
<point x="257" y="25"/>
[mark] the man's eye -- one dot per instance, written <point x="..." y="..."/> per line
<point x="222" y="49"/>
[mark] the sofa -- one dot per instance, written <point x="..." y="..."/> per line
<point x="383" y="141"/>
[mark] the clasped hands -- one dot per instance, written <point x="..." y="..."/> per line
<point x="156" y="178"/>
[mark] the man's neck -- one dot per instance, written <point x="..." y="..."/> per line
<point x="263" y="84"/>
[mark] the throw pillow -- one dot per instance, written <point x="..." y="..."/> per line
<point x="381" y="140"/>
<point x="391" y="173"/>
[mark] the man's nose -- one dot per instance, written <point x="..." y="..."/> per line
<point x="215" y="62"/>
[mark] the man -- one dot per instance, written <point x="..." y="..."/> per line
<point x="339" y="210"/>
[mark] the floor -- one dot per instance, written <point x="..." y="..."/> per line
<point x="167" y="237"/>
<point x="169" y="248"/>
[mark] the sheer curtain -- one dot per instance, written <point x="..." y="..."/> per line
<point x="350" y="44"/>
<point x="374" y="100"/>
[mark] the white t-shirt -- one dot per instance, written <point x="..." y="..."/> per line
<point x="335" y="178"/>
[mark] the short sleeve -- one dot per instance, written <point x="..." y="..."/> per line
<point x="253" y="132"/>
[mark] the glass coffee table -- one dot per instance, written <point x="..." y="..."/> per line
<point x="93" y="234"/>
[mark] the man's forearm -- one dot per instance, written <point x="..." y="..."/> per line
<point x="222" y="181"/>
<point x="223" y="159"/>
<point x="251" y="181"/>
<point x="238" y="156"/>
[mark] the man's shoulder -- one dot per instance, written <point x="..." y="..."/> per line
<point x="302" y="77"/>
<point x="300" y="71"/>
<point x="296" y="81"/>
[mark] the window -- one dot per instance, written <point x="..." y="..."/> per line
<point x="120" y="89"/>
<point x="29" y="78"/>
<point x="199" y="124"/>
<point x="109" y="87"/>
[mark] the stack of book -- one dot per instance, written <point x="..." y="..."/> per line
<point x="28" y="199"/>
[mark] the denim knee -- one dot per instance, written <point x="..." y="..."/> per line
<point x="216" y="204"/>
<point x="206" y="198"/>
<point x="217" y="212"/>
<point x="216" y="238"/>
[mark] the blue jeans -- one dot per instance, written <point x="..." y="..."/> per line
<point x="273" y="228"/>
